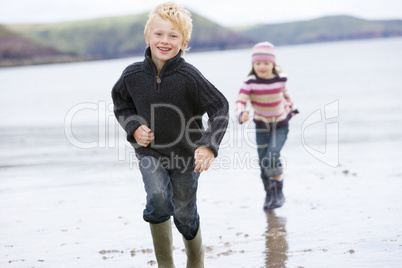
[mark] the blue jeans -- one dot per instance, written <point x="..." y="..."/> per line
<point x="170" y="192"/>
<point x="270" y="141"/>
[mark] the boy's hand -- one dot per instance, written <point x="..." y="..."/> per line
<point x="143" y="135"/>
<point x="203" y="159"/>
<point x="244" y="117"/>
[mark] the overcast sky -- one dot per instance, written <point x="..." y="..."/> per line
<point x="224" y="12"/>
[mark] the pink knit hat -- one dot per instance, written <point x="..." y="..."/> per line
<point x="263" y="51"/>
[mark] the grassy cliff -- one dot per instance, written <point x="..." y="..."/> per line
<point x="334" y="28"/>
<point x="121" y="36"/>
<point x="115" y="37"/>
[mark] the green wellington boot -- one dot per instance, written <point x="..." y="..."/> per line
<point x="195" y="251"/>
<point x="163" y="243"/>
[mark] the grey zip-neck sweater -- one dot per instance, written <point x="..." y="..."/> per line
<point x="172" y="104"/>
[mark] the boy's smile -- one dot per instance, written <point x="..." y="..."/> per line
<point x="165" y="41"/>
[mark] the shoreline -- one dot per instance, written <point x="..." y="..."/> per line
<point x="7" y="63"/>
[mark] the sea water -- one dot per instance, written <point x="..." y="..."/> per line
<point x="357" y="81"/>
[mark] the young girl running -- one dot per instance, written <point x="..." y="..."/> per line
<point x="266" y="90"/>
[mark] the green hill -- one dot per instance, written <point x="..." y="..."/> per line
<point x="97" y="38"/>
<point x="115" y="37"/>
<point x="334" y="28"/>
<point x="17" y="50"/>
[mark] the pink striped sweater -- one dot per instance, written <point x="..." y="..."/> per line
<point x="269" y="99"/>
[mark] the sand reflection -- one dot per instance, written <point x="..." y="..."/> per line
<point x="275" y="241"/>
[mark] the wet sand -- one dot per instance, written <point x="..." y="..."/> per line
<point x="71" y="207"/>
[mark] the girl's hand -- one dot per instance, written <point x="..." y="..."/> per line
<point x="203" y="159"/>
<point x="244" y="117"/>
<point x="143" y="135"/>
<point x="295" y="111"/>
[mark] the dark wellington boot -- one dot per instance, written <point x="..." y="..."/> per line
<point x="268" y="196"/>
<point x="278" y="198"/>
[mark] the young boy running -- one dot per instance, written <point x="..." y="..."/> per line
<point x="160" y="102"/>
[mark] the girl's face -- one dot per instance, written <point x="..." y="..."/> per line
<point x="165" y="41"/>
<point x="264" y="69"/>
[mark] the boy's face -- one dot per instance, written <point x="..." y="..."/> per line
<point x="165" y="41"/>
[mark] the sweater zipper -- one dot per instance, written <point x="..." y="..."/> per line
<point x="158" y="81"/>
<point x="158" y="76"/>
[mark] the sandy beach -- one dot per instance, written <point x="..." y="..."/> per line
<point x="85" y="210"/>
<point x="63" y="205"/>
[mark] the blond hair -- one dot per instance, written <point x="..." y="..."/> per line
<point x="177" y="15"/>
